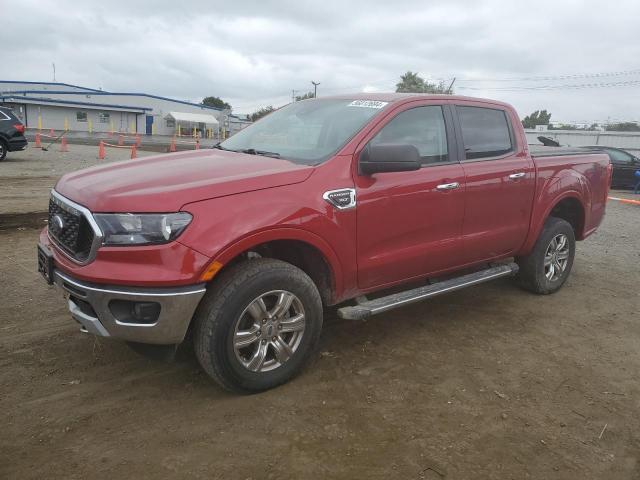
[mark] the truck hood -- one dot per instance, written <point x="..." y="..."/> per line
<point x="164" y="183"/>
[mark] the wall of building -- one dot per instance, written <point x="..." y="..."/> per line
<point x="625" y="140"/>
<point x="57" y="117"/>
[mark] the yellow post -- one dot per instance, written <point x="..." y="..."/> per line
<point x="66" y="124"/>
<point x="153" y="128"/>
<point x="179" y="130"/>
<point x="39" y="122"/>
<point x="132" y="128"/>
<point x="90" y="124"/>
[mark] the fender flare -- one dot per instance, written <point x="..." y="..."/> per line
<point x="254" y="239"/>
<point x="536" y="228"/>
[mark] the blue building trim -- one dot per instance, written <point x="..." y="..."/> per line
<point x="52" y="83"/>
<point x="100" y="92"/>
<point x="18" y="99"/>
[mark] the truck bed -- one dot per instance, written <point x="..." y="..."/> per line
<point x="542" y="151"/>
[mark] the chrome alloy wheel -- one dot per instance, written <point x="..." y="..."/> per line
<point x="269" y="331"/>
<point x="556" y="257"/>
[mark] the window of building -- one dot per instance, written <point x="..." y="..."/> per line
<point x="104" y="117"/>
<point x="485" y="132"/>
<point x="81" y="116"/>
<point x="422" y="127"/>
<point x="170" y="122"/>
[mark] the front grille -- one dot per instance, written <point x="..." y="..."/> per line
<point x="70" y="229"/>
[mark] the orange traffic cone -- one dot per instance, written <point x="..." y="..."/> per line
<point x="63" y="145"/>
<point x="134" y="153"/>
<point x="121" y="140"/>
<point x="137" y="140"/>
<point x="197" y="145"/>
<point x="101" y="152"/>
<point x="38" y="142"/>
<point x="51" y="134"/>
<point x="172" y="146"/>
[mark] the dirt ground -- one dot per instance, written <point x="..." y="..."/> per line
<point x="488" y="382"/>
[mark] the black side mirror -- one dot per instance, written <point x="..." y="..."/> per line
<point x="388" y="158"/>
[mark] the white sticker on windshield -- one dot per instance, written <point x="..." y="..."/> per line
<point x="367" y="104"/>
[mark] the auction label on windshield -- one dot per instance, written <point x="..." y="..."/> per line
<point x="367" y="104"/>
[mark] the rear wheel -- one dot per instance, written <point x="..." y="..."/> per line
<point x="549" y="264"/>
<point x="3" y="150"/>
<point x="258" y="325"/>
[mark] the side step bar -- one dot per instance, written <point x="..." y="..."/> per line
<point x="379" y="305"/>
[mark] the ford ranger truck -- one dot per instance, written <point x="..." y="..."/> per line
<point x="323" y="202"/>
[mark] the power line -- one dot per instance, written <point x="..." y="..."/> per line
<point x="578" y="86"/>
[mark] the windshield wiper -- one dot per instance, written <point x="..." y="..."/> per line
<point x="253" y="151"/>
<point x="220" y="147"/>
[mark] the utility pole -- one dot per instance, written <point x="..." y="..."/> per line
<point x="451" y="86"/>
<point x="293" y="96"/>
<point x="54" y="71"/>
<point x="315" y="88"/>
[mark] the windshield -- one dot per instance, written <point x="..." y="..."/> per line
<point x="306" y="132"/>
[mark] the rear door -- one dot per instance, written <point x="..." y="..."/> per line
<point x="408" y="225"/>
<point x="499" y="178"/>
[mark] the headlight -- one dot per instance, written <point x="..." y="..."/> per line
<point x="142" y="228"/>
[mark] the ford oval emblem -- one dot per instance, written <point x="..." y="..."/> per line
<point x="58" y="222"/>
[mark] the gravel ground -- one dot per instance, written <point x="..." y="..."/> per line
<point x="488" y="382"/>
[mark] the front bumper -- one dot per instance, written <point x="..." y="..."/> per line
<point x="95" y="308"/>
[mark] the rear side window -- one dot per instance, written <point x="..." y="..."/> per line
<point x="4" y="115"/>
<point x="422" y="127"/>
<point x="485" y="132"/>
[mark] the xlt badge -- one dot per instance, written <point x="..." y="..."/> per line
<point x="342" y="198"/>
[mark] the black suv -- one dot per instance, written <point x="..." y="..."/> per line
<point x="11" y="133"/>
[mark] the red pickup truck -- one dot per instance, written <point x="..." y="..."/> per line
<point x="323" y="202"/>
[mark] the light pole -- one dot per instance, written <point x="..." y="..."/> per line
<point x="315" y="88"/>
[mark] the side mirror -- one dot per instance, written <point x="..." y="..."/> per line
<point x="388" y="158"/>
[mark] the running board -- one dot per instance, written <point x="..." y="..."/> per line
<point x="382" y="304"/>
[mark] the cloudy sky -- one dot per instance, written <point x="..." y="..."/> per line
<point x="579" y="59"/>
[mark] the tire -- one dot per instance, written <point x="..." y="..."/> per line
<point x="541" y="272"/>
<point x="231" y="312"/>
<point x="3" y="150"/>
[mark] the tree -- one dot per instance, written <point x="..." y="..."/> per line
<point x="216" y="102"/>
<point x="623" y="127"/>
<point x="261" y="112"/>
<point x="305" y="96"/>
<point x="539" y="117"/>
<point x="413" y="83"/>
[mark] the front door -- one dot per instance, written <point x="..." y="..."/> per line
<point x="409" y="224"/>
<point x="624" y="168"/>
<point x="149" y="124"/>
<point x="500" y="183"/>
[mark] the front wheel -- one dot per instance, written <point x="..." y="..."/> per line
<point x="257" y="325"/>
<point x="548" y="265"/>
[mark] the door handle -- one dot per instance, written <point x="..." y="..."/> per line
<point x="448" y="186"/>
<point x="515" y="176"/>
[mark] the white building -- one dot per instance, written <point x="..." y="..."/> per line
<point x="61" y="106"/>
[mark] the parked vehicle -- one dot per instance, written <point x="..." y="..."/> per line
<point x="320" y="203"/>
<point x="624" y="165"/>
<point x="11" y="133"/>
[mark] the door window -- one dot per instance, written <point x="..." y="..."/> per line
<point x="619" y="158"/>
<point x="485" y="132"/>
<point x="422" y="127"/>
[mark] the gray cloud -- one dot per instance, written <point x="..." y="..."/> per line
<point x="254" y="53"/>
